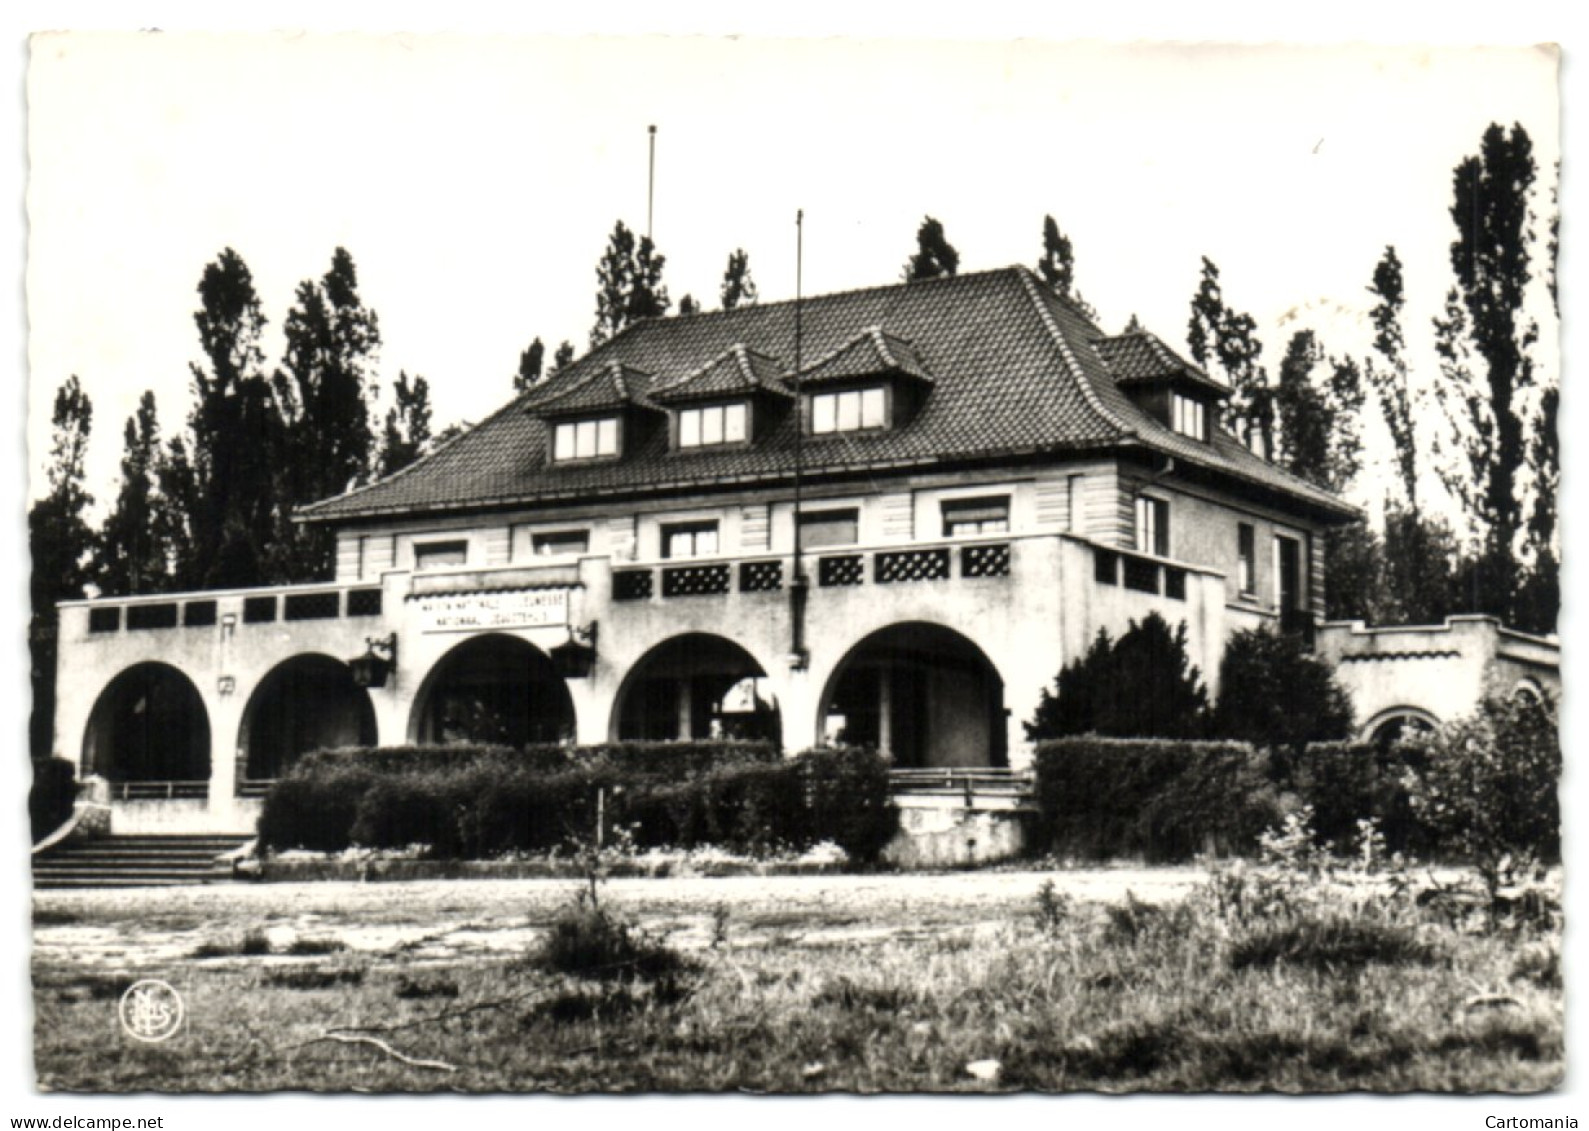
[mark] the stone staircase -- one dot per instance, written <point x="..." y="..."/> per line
<point x="133" y="861"/>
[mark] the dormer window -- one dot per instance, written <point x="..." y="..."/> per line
<point x="1189" y="416"/>
<point x="585" y="439"/>
<point x="710" y="425"/>
<point x="852" y="410"/>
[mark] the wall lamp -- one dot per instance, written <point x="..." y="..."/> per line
<point x="575" y="658"/>
<point x="378" y="661"/>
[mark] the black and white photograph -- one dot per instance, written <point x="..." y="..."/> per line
<point x="869" y="565"/>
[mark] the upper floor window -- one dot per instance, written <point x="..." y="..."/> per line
<point x="849" y="411"/>
<point x="712" y="424"/>
<point x="829" y="528"/>
<point x="1246" y="559"/>
<point x="689" y="539"/>
<point x="1153" y="526"/>
<point x="553" y="542"/>
<point x="586" y="439"/>
<point x="440" y="555"/>
<point x="976" y="516"/>
<point x="1189" y="416"/>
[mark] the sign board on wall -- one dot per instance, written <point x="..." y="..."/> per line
<point x="476" y="612"/>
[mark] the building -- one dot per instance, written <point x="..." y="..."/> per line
<point x="971" y="478"/>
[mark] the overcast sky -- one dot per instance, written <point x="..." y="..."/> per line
<point x="475" y="181"/>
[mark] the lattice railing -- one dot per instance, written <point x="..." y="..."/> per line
<point x="695" y="580"/>
<point x="632" y="585"/>
<point x="839" y="570"/>
<point x="313" y="606"/>
<point x="760" y="577"/>
<point x="912" y="565"/>
<point x="985" y="561"/>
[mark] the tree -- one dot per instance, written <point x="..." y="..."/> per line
<point x="529" y="367"/>
<point x="1142" y="685"/>
<point x="1486" y="786"/>
<point x="1354" y="574"/>
<point x="61" y="544"/>
<point x="1218" y="334"/>
<point x="1274" y="692"/>
<point x="333" y="340"/>
<point x="1391" y="380"/>
<point x="563" y="357"/>
<point x="739" y="289"/>
<point x="1484" y="338"/>
<point x="1057" y="268"/>
<point x="407" y="432"/>
<point x="1538" y="599"/>
<point x="1317" y="417"/>
<point x="935" y="256"/>
<point x="235" y="435"/>
<point x="688" y="305"/>
<point x="629" y="284"/>
<point x="131" y="555"/>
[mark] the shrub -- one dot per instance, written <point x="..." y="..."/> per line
<point x="588" y="941"/>
<point x="1158" y="800"/>
<point x="1142" y="685"/>
<point x="51" y="796"/>
<point x="1345" y="783"/>
<point x="1273" y="691"/>
<point x="1485" y="787"/>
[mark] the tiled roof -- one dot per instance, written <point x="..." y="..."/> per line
<point x="737" y="369"/>
<point x="1141" y="356"/>
<point x="613" y="386"/>
<point x="1015" y="373"/>
<point x="868" y="354"/>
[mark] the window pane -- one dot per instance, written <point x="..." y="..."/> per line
<point x="712" y="425"/>
<point x="440" y="555"/>
<point x="829" y="528"/>
<point x="734" y="423"/>
<point x="689" y="540"/>
<point x="561" y="542"/>
<point x="585" y="445"/>
<point x="706" y="541"/>
<point x="607" y="437"/>
<point x="822" y="412"/>
<point x="872" y="404"/>
<point x="849" y="411"/>
<point x="976" y="516"/>
<point x="690" y="428"/>
<point x="564" y="448"/>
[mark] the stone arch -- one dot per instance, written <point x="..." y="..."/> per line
<point x="308" y="702"/>
<point x="1395" y="723"/>
<point x="493" y="688"/>
<point x="148" y="724"/>
<point x="696" y="686"/>
<point x="924" y="694"/>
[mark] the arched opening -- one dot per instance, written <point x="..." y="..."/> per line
<point x="696" y="686"/>
<point x="149" y="724"/>
<point x="922" y="694"/>
<point x="1387" y="728"/>
<point x="305" y="703"/>
<point x="493" y="689"/>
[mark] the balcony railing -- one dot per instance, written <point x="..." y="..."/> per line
<point x="1139" y="572"/>
<point x="968" y="782"/>
<point x="298" y="603"/>
<point x="159" y="790"/>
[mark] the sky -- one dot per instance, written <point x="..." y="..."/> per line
<point x="475" y="187"/>
<point x="475" y="180"/>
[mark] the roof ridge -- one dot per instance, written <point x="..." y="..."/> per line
<point x="1088" y="393"/>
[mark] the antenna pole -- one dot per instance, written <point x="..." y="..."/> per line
<point x="799" y="586"/>
<point x="651" y="178"/>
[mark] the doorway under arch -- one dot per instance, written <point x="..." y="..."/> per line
<point x="923" y="694"/>
<point x="493" y="689"/>
<point x="149" y="724"/>
<point x="309" y="702"/>
<point x="696" y="686"/>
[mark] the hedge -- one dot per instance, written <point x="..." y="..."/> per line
<point x="478" y="801"/>
<point x="51" y="796"/>
<point x="1165" y="801"/>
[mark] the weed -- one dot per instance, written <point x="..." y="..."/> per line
<point x="592" y="942"/>
<point x="296" y="978"/>
<point x="305" y="948"/>
<point x="54" y="917"/>
<point x="411" y="989"/>
<point x="850" y="995"/>
<point x="1055" y="910"/>
<point x="1541" y="965"/>
<point x="1336" y="945"/>
<point x="719" y="926"/>
<point x="253" y="943"/>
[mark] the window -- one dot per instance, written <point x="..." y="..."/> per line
<point x="586" y="439"/>
<point x="1246" y="559"/>
<point x="689" y="540"/>
<point x="712" y="424"/>
<point x="829" y="528"/>
<point x="1153" y="526"/>
<point x="440" y="555"/>
<point x="976" y="516"/>
<point x="849" y="411"/>
<point x="1189" y="416"/>
<point x="553" y="542"/>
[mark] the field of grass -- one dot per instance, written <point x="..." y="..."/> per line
<point x="798" y="984"/>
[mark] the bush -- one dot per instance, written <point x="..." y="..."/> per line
<point x="470" y="802"/>
<point x="1485" y="787"/>
<point x="1157" y="800"/>
<point x="51" y="796"/>
<point x="591" y="942"/>
<point x="1141" y="686"/>
<point x="1349" y="782"/>
<point x="1274" y="692"/>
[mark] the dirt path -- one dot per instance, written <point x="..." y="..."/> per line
<point x="447" y="919"/>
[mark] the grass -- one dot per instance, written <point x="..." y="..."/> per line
<point x="1324" y="995"/>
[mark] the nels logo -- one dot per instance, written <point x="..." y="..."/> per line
<point x="151" y="1010"/>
